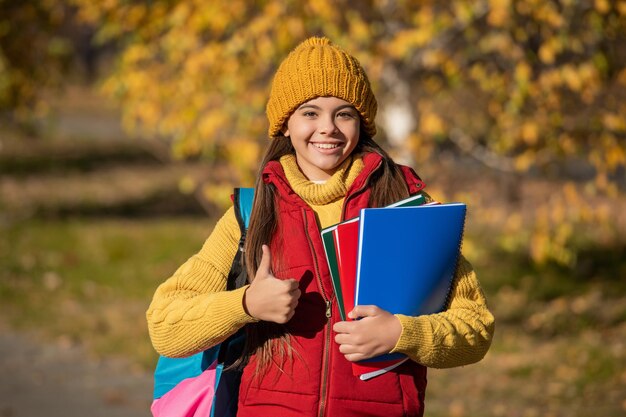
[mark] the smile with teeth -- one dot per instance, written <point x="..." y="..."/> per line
<point x="326" y="145"/>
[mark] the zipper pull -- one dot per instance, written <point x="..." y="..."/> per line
<point x="328" y="309"/>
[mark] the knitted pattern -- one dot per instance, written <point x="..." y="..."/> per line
<point x="318" y="68"/>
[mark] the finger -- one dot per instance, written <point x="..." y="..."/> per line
<point x="363" y="311"/>
<point x="292" y="284"/>
<point x="342" y="338"/>
<point x="284" y="318"/>
<point x="265" y="266"/>
<point x="342" y="327"/>
<point x="355" y="357"/>
<point x="346" y="349"/>
<point x="294" y="298"/>
<point x="351" y="353"/>
<point x="291" y="314"/>
<point x="295" y="294"/>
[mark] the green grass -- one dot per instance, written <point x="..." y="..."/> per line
<point x="90" y="281"/>
<point x="604" y="266"/>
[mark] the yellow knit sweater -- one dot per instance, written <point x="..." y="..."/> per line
<point x="191" y="311"/>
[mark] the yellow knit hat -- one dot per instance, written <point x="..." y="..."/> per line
<point x="318" y="68"/>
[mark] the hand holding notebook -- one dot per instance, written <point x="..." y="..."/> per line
<point x="371" y="331"/>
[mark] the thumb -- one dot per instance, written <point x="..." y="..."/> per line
<point x="362" y="311"/>
<point x="265" y="266"/>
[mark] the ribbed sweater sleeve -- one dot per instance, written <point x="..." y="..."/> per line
<point x="459" y="336"/>
<point x="191" y="311"/>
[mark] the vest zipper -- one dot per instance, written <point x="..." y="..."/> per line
<point x="326" y="352"/>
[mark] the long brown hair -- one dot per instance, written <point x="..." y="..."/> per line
<point x="270" y="341"/>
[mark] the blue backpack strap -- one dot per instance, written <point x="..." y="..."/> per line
<point x="244" y="197"/>
<point x="242" y="200"/>
<point x="227" y="379"/>
<point x="170" y="371"/>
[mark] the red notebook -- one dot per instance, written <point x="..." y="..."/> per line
<point x="346" y="244"/>
<point x="367" y="370"/>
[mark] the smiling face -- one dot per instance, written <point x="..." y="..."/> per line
<point x="324" y="132"/>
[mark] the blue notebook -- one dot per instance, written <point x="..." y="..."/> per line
<point x="408" y="257"/>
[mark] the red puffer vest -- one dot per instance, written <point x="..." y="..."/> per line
<point x="320" y="382"/>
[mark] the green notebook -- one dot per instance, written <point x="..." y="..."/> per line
<point x="331" y="257"/>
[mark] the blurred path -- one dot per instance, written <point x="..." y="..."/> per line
<point x="53" y="381"/>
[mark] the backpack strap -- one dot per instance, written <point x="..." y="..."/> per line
<point x="242" y="199"/>
<point x="232" y="347"/>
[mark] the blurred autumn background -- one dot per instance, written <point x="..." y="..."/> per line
<point x="124" y="125"/>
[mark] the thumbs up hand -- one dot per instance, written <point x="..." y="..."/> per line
<point x="269" y="298"/>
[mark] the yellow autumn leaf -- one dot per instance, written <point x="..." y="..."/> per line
<point x="431" y="124"/>
<point x="602" y="6"/>
<point x="547" y="53"/>
<point x="539" y="244"/>
<point x="187" y="184"/>
<point x="525" y="160"/>
<point x="219" y="194"/>
<point x="530" y="132"/>
<point x="615" y="155"/>
<point x="571" y="77"/>
<point x="614" y="122"/>
<point x="498" y="12"/>
<point x="523" y="72"/>
<point x="244" y="153"/>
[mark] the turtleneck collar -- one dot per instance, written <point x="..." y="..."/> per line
<point x="318" y="194"/>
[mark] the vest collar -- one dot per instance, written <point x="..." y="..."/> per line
<point x="275" y="174"/>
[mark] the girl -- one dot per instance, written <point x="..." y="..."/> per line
<point x="321" y="167"/>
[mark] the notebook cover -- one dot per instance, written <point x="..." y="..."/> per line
<point x="408" y="256"/>
<point x="346" y="236"/>
<point x="331" y="258"/>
